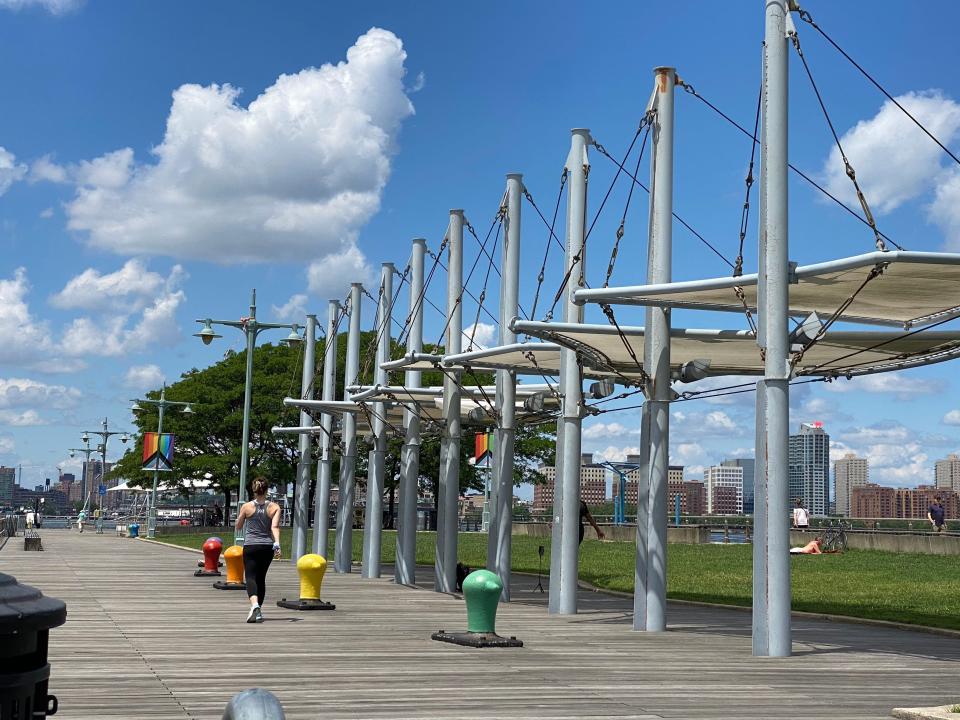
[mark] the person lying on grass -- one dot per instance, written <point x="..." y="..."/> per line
<point x="811" y="548"/>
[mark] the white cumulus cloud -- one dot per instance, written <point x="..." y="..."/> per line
<point x="331" y="277"/>
<point x="294" y="310"/>
<point x="54" y="7"/>
<point x="903" y="387"/>
<point x="10" y="170"/>
<point x="952" y="418"/>
<point x="291" y="176"/>
<point x="894" y="160"/>
<point x="27" y="393"/>
<point x="44" y="169"/>
<point x="129" y="289"/>
<point x="27" y="341"/>
<point x="144" y="377"/>
<point x="479" y="335"/>
<point x="607" y="431"/>
<point x="7" y="445"/>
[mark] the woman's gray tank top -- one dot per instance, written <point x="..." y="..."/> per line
<point x="257" y="526"/>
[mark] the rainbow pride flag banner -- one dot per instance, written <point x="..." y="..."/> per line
<point x="483" y="447"/>
<point x="157" y="451"/>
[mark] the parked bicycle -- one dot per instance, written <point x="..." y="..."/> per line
<point x="835" y="537"/>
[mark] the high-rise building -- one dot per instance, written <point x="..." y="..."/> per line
<point x="593" y="484"/>
<point x="948" y="473"/>
<point x="849" y="472"/>
<point x="91" y="478"/>
<point x="875" y="501"/>
<point x="692" y="494"/>
<point x="8" y="478"/>
<point x="674" y="474"/>
<point x="749" y="468"/>
<point x="809" y="470"/>
<point x="724" y="489"/>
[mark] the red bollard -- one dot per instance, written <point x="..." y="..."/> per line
<point x="211" y="558"/>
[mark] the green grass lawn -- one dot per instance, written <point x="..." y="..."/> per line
<point x="909" y="588"/>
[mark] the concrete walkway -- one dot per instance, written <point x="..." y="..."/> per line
<point x="146" y="639"/>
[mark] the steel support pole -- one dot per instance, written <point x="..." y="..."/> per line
<point x="774" y="241"/>
<point x="553" y="594"/>
<point x="643" y="523"/>
<point x="250" y="330"/>
<point x="449" y="482"/>
<point x="571" y="377"/>
<point x="405" y="567"/>
<point x="301" y="500"/>
<point x="658" y="338"/>
<point x="348" y="441"/>
<point x="506" y="395"/>
<point x="760" y="518"/>
<point x="321" y="498"/>
<point x="376" y="466"/>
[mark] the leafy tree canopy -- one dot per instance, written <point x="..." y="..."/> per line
<point x="207" y="442"/>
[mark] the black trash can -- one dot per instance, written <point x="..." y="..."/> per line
<point x="26" y="617"/>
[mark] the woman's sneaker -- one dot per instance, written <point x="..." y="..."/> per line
<point x="255" y="616"/>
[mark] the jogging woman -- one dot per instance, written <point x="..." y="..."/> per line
<point x="261" y="544"/>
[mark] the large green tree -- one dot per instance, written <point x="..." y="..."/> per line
<point x="208" y="440"/>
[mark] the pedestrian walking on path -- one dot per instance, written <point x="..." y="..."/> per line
<point x="261" y="544"/>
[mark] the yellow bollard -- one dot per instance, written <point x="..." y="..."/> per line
<point x="233" y="556"/>
<point x="311" y="568"/>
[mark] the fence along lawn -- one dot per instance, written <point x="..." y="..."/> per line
<point x="899" y="587"/>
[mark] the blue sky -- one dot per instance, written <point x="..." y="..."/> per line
<point x="161" y="159"/>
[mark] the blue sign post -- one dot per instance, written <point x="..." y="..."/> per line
<point x="102" y="490"/>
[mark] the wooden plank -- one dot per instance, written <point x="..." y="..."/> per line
<point x="146" y="639"/>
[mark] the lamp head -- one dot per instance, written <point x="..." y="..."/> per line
<point x="293" y="339"/>
<point x="124" y="438"/>
<point x="207" y="333"/>
<point x="72" y="453"/>
<point x="534" y="403"/>
<point x="85" y="438"/>
<point x="601" y="389"/>
<point x="135" y="408"/>
<point x="188" y="410"/>
<point x="694" y="370"/>
<point x="476" y="415"/>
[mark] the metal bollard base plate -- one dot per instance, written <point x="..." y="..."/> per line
<point x="207" y="573"/>
<point x="477" y="640"/>
<point x="305" y="604"/>
<point x="224" y="585"/>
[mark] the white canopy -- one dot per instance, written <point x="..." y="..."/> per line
<point x="914" y="289"/>
<point x="532" y="358"/>
<point x="735" y="352"/>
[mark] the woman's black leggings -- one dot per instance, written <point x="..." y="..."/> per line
<point x="256" y="562"/>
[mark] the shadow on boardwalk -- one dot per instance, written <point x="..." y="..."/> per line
<point x="146" y="639"/>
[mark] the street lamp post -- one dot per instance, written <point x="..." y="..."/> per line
<point x="250" y="327"/>
<point x="161" y="405"/>
<point x="105" y="434"/>
<point x="86" y="450"/>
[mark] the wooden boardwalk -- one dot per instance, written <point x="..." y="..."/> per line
<point x="146" y="639"/>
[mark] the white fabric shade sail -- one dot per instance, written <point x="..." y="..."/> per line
<point x="914" y="289"/>
<point x="735" y="352"/>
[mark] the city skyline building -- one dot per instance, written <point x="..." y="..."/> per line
<point x="878" y="501"/>
<point x="947" y="473"/>
<point x="593" y="484"/>
<point x="8" y="478"/>
<point x="809" y="468"/>
<point x="724" y="486"/>
<point x="749" y="466"/>
<point x="849" y="472"/>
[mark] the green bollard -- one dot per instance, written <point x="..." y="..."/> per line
<point x="481" y="591"/>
